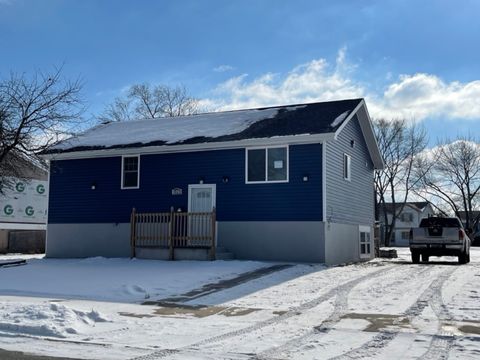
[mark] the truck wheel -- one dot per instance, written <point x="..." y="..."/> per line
<point x="425" y="257"/>
<point x="462" y="258"/>
<point x="415" y="257"/>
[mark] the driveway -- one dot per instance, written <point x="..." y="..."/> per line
<point x="382" y="309"/>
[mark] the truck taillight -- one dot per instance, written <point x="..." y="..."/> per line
<point x="461" y="234"/>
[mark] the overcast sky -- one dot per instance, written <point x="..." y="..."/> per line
<point x="414" y="59"/>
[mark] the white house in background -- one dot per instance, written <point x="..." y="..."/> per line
<point x="23" y="212"/>
<point x="409" y="218"/>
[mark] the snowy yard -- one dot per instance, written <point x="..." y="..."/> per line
<point x="124" y="309"/>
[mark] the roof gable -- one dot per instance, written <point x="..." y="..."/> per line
<point x="418" y="206"/>
<point x="367" y="131"/>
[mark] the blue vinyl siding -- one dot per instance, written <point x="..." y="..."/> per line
<point x="73" y="201"/>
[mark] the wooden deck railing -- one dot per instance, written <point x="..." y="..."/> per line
<point x="173" y="230"/>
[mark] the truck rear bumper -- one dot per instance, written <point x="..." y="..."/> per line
<point x="438" y="249"/>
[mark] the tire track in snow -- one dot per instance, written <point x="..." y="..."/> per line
<point x="345" y="288"/>
<point x="431" y="296"/>
<point x="340" y="309"/>
<point x="441" y="342"/>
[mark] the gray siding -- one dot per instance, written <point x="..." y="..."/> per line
<point x="349" y="202"/>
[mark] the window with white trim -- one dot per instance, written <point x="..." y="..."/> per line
<point x="346" y="167"/>
<point x="130" y="172"/>
<point x="267" y="164"/>
<point x="365" y="242"/>
<point x="406" y="217"/>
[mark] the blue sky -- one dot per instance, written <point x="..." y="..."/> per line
<point x="415" y="59"/>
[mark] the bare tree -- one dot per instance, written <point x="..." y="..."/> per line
<point x="119" y="110"/>
<point x="399" y="144"/>
<point x="145" y="101"/>
<point x="451" y="173"/>
<point x="34" y="113"/>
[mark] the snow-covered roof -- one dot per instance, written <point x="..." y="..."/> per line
<point x="291" y="120"/>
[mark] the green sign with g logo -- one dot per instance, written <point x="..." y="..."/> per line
<point x="29" y="210"/>
<point x="8" y="209"/>
<point x="20" y="187"/>
<point x="40" y="189"/>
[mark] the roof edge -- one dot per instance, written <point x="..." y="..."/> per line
<point x="145" y="150"/>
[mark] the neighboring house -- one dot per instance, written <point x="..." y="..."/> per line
<point x="409" y="218"/>
<point x="292" y="183"/>
<point x="23" y="210"/>
<point x="475" y="228"/>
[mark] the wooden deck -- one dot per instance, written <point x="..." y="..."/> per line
<point x="173" y="230"/>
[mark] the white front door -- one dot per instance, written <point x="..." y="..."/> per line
<point x="201" y="199"/>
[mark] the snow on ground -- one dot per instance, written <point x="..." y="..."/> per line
<point x="382" y="309"/>
<point x="115" y="279"/>
<point x="55" y="320"/>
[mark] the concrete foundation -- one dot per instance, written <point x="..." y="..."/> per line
<point x="3" y="241"/>
<point x="296" y="241"/>
<point x="178" y="254"/>
<point x="26" y="241"/>
<point x="342" y="244"/>
<point x="22" y="241"/>
<point x="88" y="240"/>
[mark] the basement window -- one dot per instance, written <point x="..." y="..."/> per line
<point x="130" y="172"/>
<point x="266" y="165"/>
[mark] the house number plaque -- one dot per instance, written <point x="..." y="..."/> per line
<point x="177" y="191"/>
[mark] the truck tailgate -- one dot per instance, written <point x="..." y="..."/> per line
<point x="435" y="236"/>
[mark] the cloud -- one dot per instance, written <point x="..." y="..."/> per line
<point x="423" y="96"/>
<point x="221" y="68"/>
<point x="313" y="81"/>
<point x="418" y="96"/>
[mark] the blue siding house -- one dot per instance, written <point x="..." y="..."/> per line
<point x="290" y="183"/>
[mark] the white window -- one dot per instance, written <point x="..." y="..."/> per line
<point x="266" y="165"/>
<point x="346" y="167"/>
<point x="365" y="242"/>
<point x="130" y="172"/>
<point x="407" y="217"/>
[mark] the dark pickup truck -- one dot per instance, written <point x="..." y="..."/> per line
<point x="440" y="236"/>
